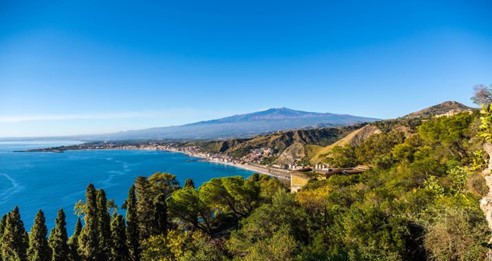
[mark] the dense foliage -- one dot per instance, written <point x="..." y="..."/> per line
<point x="418" y="201"/>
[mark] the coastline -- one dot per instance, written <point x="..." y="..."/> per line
<point x="283" y="175"/>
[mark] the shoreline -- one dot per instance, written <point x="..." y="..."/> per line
<point x="283" y="175"/>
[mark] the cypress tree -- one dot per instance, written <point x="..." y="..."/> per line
<point x="162" y="185"/>
<point x="39" y="249"/>
<point x="119" y="248"/>
<point x="160" y="212"/>
<point x="3" y="222"/>
<point x="145" y="208"/>
<point x="14" y="240"/>
<point x="189" y="184"/>
<point x="88" y="241"/>
<point x="58" y="239"/>
<point x="133" y="241"/>
<point x="73" y="243"/>
<point x="103" y="220"/>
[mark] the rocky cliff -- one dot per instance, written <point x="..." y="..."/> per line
<point x="486" y="201"/>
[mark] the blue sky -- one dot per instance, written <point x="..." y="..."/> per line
<point x="93" y="67"/>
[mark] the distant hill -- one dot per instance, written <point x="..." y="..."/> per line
<point x="406" y="124"/>
<point x="244" y="125"/>
<point x="289" y="146"/>
<point x="448" y="107"/>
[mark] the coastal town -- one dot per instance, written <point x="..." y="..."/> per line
<point x="294" y="175"/>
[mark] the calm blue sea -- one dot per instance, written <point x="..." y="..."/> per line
<point x="50" y="181"/>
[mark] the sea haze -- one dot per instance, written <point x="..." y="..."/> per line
<point x="50" y="181"/>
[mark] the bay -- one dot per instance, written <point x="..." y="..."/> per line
<point x="50" y="181"/>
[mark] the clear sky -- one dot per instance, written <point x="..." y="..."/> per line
<point x="78" y="67"/>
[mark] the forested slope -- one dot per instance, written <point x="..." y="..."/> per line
<point x="419" y="201"/>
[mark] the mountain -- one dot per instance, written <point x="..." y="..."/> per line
<point x="245" y="125"/>
<point x="445" y="108"/>
<point x="315" y="144"/>
<point x="278" y="114"/>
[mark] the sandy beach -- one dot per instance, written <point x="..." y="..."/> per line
<point x="280" y="174"/>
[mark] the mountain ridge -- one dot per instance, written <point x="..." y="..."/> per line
<point x="313" y="145"/>
<point x="245" y="125"/>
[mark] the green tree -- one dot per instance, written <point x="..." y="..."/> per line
<point x="160" y="212"/>
<point x="14" y="240"/>
<point x="280" y="246"/>
<point x="182" y="246"/>
<point x="104" y="225"/>
<point x="343" y="157"/>
<point x="159" y="247"/>
<point x="282" y="219"/>
<point x="39" y="249"/>
<point x="371" y="233"/>
<point x="73" y="242"/>
<point x="186" y="205"/>
<point x="58" y="239"/>
<point x="231" y="195"/>
<point x="255" y="177"/>
<point x="269" y="186"/>
<point x="132" y="225"/>
<point x="448" y="136"/>
<point x="455" y="233"/>
<point x="486" y="123"/>
<point x="374" y="149"/>
<point x="3" y="222"/>
<point x="164" y="183"/>
<point x="119" y="248"/>
<point x="89" y="237"/>
<point x="145" y="209"/>
<point x="189" y="183"/>
<point x="162" y="186"/>
<point x="201" y="247"/>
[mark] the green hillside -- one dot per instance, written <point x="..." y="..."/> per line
<point x="419" y="201"/>
<point x="405" y="126"/>
<point x="279" y="142"/>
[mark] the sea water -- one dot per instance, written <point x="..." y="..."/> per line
<point x="50" y="181"/>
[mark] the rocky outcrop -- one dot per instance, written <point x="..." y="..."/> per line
<point x="486" y="201"/>
<point x="488" y="148"/>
